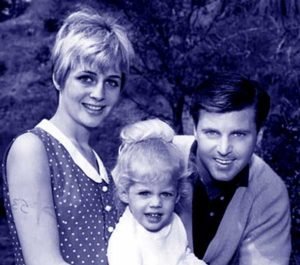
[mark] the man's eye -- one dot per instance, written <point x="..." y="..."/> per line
<point x="239" y="134"/>
<point x="211" y="133"/>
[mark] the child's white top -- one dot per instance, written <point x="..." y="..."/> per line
<point x="132" y="244"/>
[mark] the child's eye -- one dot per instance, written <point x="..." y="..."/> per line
<point x="167" y="194"/>
<point x="144" y="193"/>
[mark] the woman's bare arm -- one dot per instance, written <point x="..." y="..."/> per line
<point x="30" y="193"/>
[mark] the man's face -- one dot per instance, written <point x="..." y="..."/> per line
<point x="226" y="142"/>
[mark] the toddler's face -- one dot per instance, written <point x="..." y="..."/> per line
<point x="152" y="203"/>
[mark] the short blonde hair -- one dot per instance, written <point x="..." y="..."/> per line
<point x="148" y="154"/>
<point x="86" y="37"/>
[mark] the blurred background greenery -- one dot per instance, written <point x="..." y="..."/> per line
<point x="178" y="42"/>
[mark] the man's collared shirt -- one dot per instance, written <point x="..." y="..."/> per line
<point x="210" y="200"/>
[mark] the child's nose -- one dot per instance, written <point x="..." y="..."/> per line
<point x="156" y="202"/>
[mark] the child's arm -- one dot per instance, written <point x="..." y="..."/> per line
<point x="190" y="259"/>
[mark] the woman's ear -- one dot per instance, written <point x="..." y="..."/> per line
<point x="57" y="86"/>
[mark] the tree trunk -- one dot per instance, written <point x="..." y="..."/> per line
<point x="177" y="114"/>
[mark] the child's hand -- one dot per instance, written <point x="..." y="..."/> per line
<point x="190" y="259"/>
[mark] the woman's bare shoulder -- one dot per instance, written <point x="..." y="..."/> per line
<point x="27" y="156"/>
<point x="26" y="144"/>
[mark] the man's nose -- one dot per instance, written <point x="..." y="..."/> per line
<point x="224" y="146"/>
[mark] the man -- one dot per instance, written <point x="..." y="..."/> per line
<point x="240" y="211"/>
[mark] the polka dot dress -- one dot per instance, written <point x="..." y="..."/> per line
<point x="84" y="208"/>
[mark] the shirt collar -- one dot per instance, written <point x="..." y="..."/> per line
<point x="77" y="157"/>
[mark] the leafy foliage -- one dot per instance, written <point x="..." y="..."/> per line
<point x="9" y="8"/>
<point x="178" y="42"/>
<point x="281" y="149"/>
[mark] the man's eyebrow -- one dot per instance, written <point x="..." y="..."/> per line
<point x="241" y="131"/>
<point x="209" y="129"/>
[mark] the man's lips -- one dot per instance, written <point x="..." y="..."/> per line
<point x="224" y="162"/>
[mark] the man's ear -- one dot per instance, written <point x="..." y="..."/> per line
<point x="195" y="131"/>
<point x="259" y="137"/>
<point x="123" y="195"/>
<point x="177" y="198"/>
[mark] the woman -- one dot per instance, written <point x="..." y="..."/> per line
<point x="58" y="195"/>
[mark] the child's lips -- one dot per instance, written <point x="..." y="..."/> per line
<point x="154" y="217"/>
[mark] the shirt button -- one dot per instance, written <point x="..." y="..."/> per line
<point x="110" y="229"/>
<point x="107" y="208"/>
<point x="104" y="189"/>
<point x="222" y="198"/>
<point x="211" y="214"/>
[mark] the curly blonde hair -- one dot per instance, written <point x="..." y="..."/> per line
<point x="148" y="154"/>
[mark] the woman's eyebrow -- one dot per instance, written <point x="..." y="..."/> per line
<point x="115" y="76"/>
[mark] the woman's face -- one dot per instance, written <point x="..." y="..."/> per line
<point x="89" y="95"/>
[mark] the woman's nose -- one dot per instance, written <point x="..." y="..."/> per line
<point x="98" y="91"/>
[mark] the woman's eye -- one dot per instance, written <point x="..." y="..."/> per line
<point x="86" y="79"/>
<point x="113" y="83"/>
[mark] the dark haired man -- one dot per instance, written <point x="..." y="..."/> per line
<point x="240" y="210"/>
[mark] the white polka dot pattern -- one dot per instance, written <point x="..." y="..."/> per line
<point x="85" y="213"/>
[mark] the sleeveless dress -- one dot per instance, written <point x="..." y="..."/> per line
<point x="83" y="201"/>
